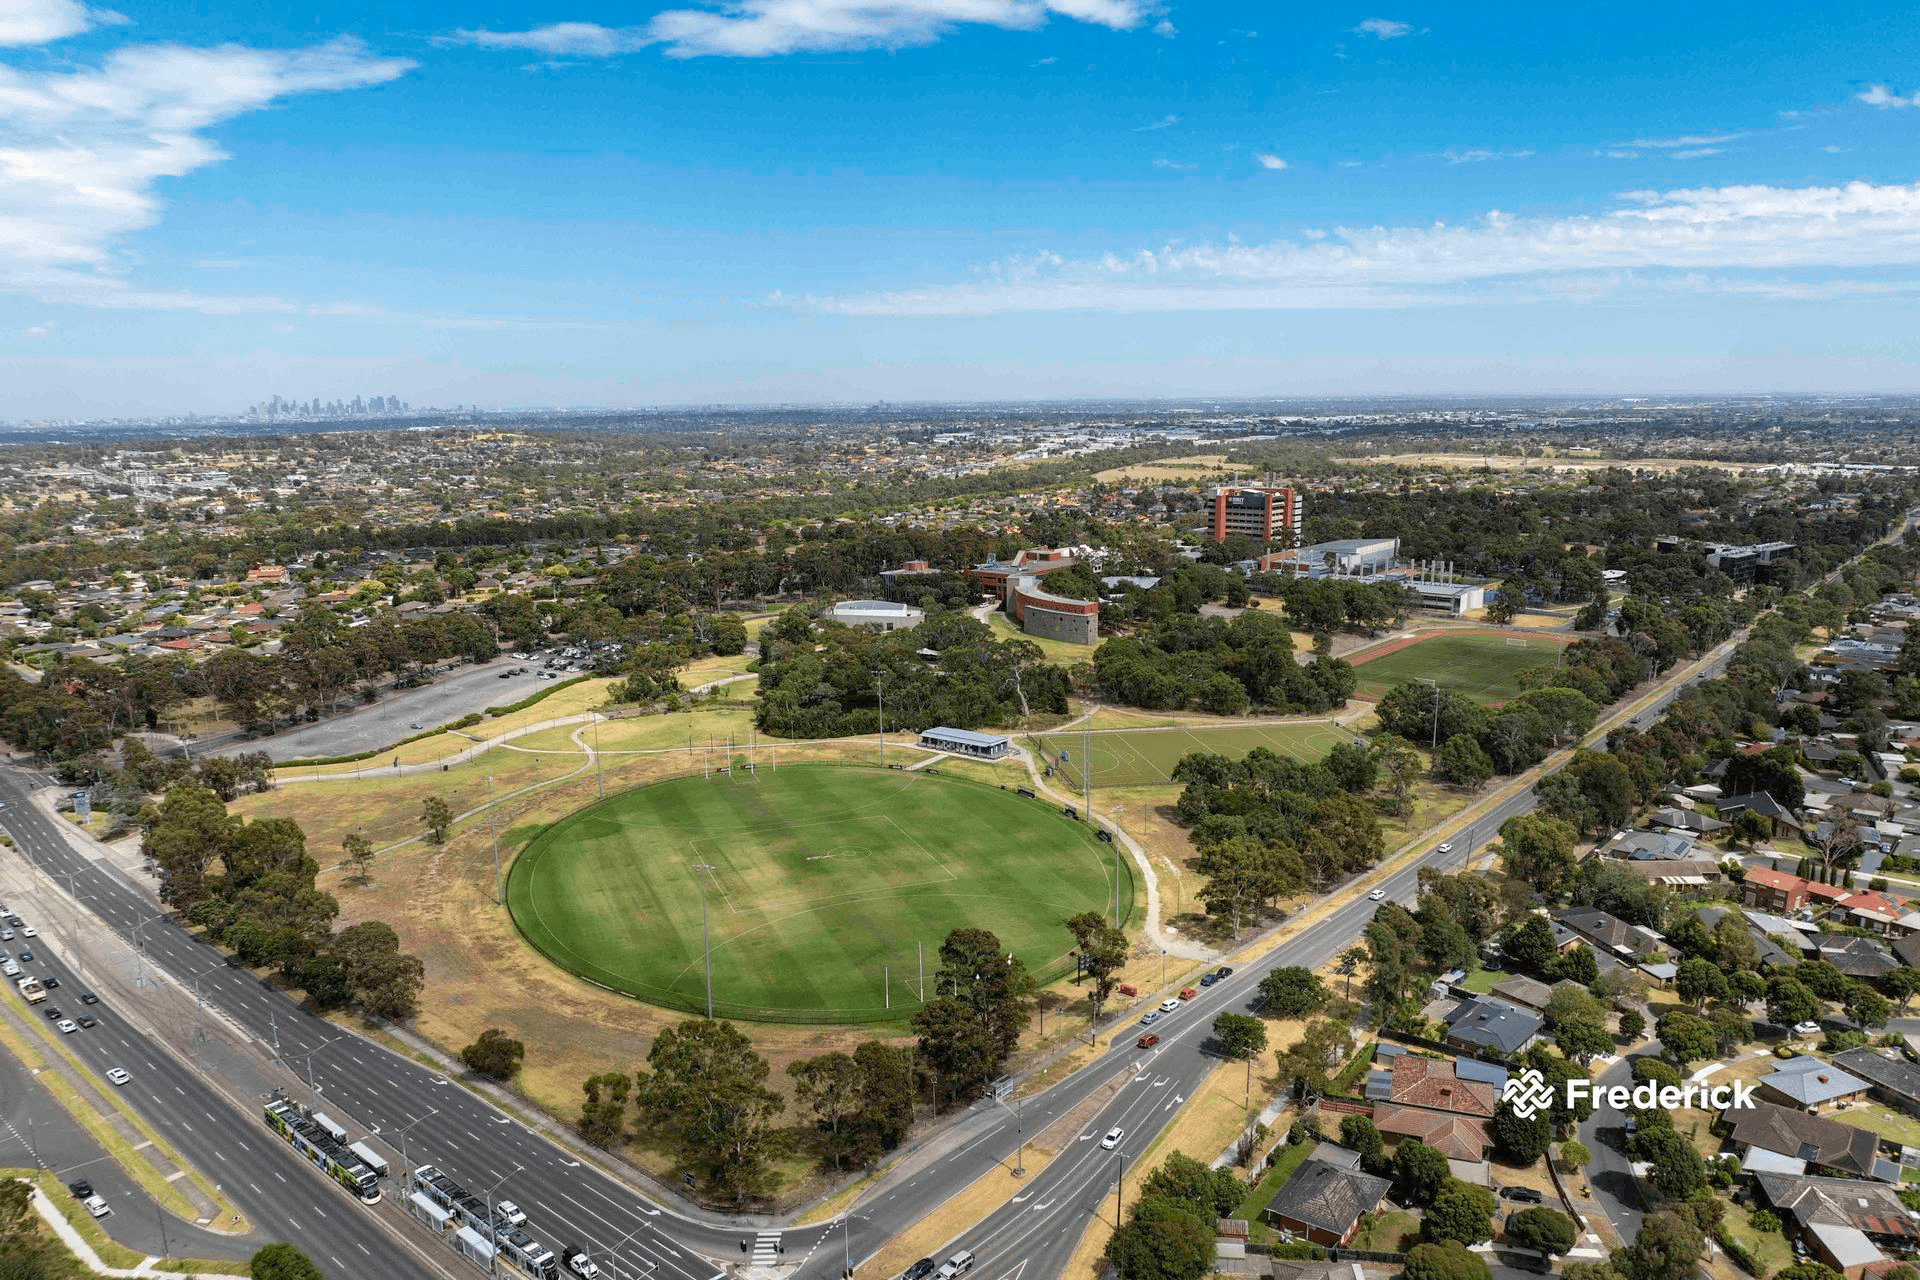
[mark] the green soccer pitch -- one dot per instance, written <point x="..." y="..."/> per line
<point x="1483" y="666"/>
<point x="819" y="880"/>
<point x="1144" y="757"/>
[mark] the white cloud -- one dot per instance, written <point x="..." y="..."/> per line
<point x="1742" y="239"/>
<point x="1693" y="153"/>
<point x="1161" y="162"/>
<point x="1684" y="140"/>
<point x="81" y="152"/>
<point x="1620" y="154"/>
<point x="1269" y="161"/>
<point x="768" y="28"/>
<point x="1165" y="29"/>
<point x="1164" y="122"/>
<point x="42" y="330"/>
<point x="1474" y="155"/>
<point x="24" y="22"/>
<point x="1832" y="150"/>
<point x="1383" y="29"/>
<point x="1878" y="95"/>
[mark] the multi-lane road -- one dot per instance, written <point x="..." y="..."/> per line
<point x="424" y="1118"/>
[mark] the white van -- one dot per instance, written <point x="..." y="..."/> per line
<point x="328" y="1123"/>
<point x="958" y="1265"/>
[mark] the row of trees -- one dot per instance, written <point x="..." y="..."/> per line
<point x="250" y="885"/>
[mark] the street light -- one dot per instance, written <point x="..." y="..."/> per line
<point x="1435" y="743"/>
<point x="706" y="937"/>
<point x="402" y="1131"/>
<point x="493" y="1259"/>
<point x="613" y="1254"/>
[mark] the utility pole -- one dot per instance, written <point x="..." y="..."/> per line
<point x="1435" y="743"/>
<point x="706" y="937"/>
<point x="880" y="683"/>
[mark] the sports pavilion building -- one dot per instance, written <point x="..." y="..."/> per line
<point x="965" y="742"/>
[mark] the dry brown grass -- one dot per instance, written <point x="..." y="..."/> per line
<point x="1197" y="466"/>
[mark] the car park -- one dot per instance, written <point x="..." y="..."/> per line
<point x="1112" y="1140"/>
<point x="1148" y="1041"/>
<point x="118" y="1075"/>
<point x="97" y="1207"/>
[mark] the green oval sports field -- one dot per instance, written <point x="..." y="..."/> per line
<point x="819" y="882"/>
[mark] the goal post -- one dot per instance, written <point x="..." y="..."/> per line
<point x="1516" y="642"/>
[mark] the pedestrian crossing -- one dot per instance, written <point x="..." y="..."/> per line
<point x="766" y="1248"/>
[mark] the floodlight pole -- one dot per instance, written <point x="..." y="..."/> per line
<point x="1434" y="745"/>
<point x="880" y="683"/>
<point x="706" y="937"/>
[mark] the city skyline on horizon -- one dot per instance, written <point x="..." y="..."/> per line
<point x="776" y="203"/>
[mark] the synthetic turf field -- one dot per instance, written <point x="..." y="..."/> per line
<point x="1142" y="757"/>
<point x="1482" y="666"/>
<point x="818" y="880"/>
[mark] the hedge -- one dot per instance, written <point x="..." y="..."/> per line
<point x="532" y="698"/>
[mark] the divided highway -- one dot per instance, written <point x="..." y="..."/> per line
<point x="372" y="1090"/>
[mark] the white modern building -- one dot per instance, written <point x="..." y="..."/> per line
<point x="882" y="615"/>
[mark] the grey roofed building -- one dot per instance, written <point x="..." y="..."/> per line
<point x="1894" y="1080"/>
<point x="1606" y="930"/>
<point x="1823" y="1143"/>
<point x="1811" y="1084"/>
<point x="1527" y="992"/>
<point x="1325" y="1201"/>
<point x="1856" y="957"/>
<point x="1780" y="927"/>
<point x="1493" y="1024"/>
<point x="1766" y="949"/>
<point x="1649" y="846"/>
<point x="1870" y="1207"/>
<point x="1675" y="818"/>
<point x="964" y="741"/>
<point x="1907" y="950"/>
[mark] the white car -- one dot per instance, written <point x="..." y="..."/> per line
<point x="1806" y="1028"/>
<point x="1444" y="847"/>
<point x="27" y="931"/>
<point x="1169" y="1005"/>
<point x="1378" y="895"/>
<point x="97" y="1207"/>
<point x="119" y="1075"/>
<point x="1113" y="1137"/>
<point x="510" y="1213"/>
<point x="579" y="1263"/>
<point x="67" y="1026"/>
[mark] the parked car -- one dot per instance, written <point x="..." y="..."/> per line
<point x="1169" y="1005"/>
<point x="97" y="1207"/>
<point x="1223" y="971"/>
<point x="1188" y="993"/>
<point x="81" y="1188"/>
<point x="1525" y="1195"/>
<point x="919" y="1270"/>
<point x="1153" y="1016"/>
<point x="1208" y="979"/>
<point x="1806" y="1028"/>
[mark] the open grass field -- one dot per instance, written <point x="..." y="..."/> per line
<point x="817" y="880"/>
<point x="1143" y="757"/>
<point x="1483" y="665"/>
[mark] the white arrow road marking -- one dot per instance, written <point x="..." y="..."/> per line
<point x="1015" y="1273"/>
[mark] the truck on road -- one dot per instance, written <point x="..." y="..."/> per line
<point x="32" y="990"/>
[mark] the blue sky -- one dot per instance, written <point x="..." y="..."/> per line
<point x="816" y="200"/>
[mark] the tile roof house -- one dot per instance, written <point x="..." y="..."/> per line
<point x="1816" y="1141"/>
<point x="1436" y="1085"/>
<point x="1527" y="992"/>
<point x="1845" y="1220"/>
<point x="1856" y="957"/>
<point x="1895" y="1081"/>
<point x="1458" y="1137"/>
<point x="1871" y="910"/>
<point x="1324" y="1201"/>
<point x="1810" y="1084"/>
<point x="1778" y="891"/>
